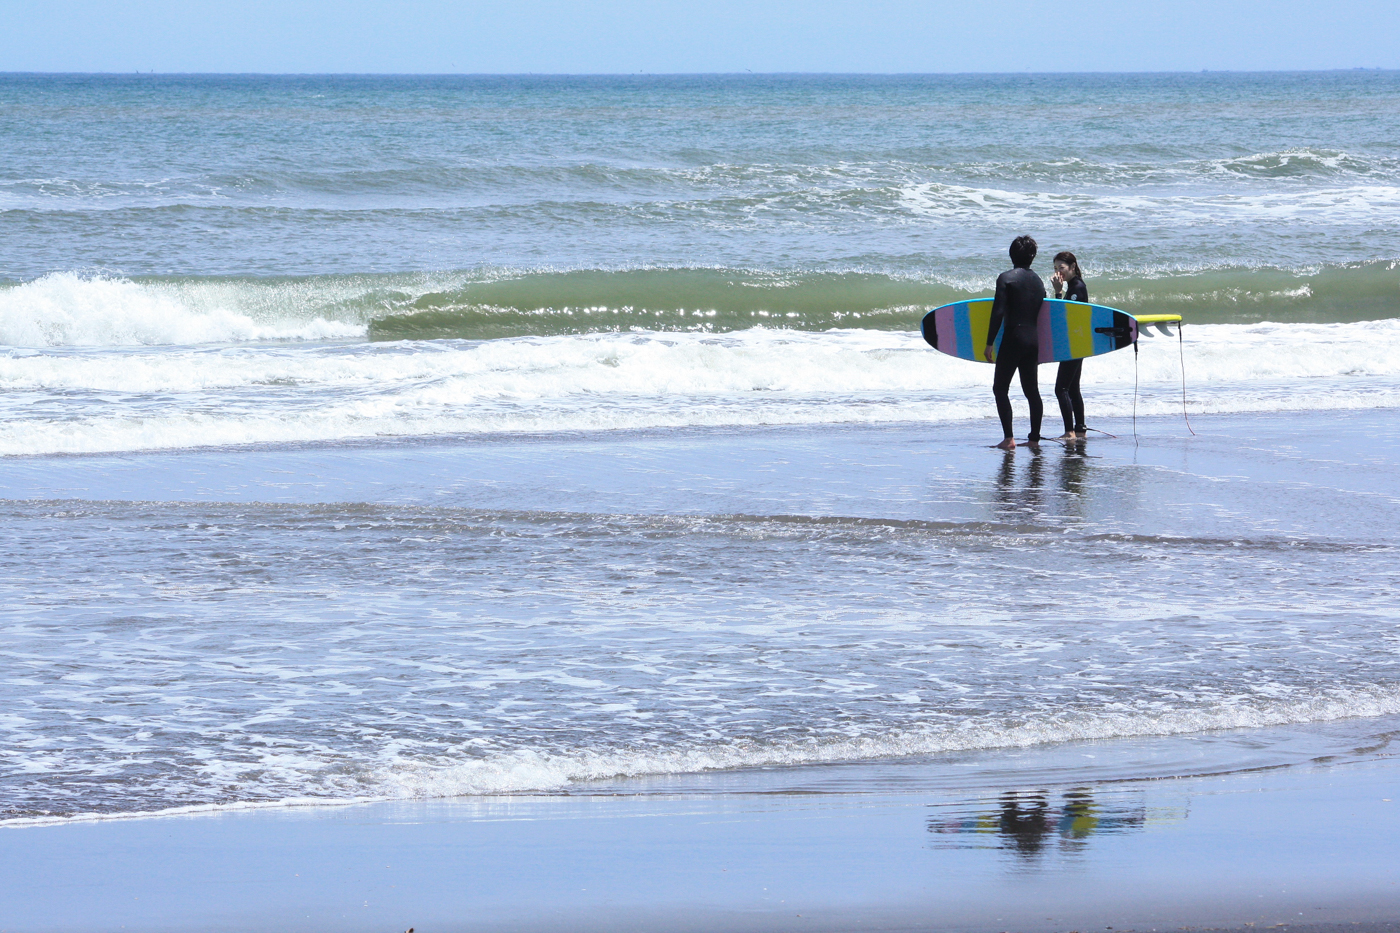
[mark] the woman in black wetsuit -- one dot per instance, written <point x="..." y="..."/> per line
<point x="1019" y="295"/>
<point x="1069" y="280"/>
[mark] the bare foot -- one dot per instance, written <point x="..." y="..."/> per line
<point x="1008" y="444"/>
<point x="1068" y="436"/>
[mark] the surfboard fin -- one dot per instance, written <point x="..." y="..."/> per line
<point x="1164" y="330"/>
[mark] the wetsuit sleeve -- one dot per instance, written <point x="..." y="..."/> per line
<point x="998" y="311"/>
<point x="1077" y="291"/>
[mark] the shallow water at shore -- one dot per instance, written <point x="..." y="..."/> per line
<point x="503" y="614"/>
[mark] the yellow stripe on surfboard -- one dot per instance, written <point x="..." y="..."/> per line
<point x="1079" y="323"/>
<point x="1156" y="318"/>
<point x="979" y="318"/>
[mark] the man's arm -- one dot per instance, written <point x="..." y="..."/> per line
<point x="998" y="315"/>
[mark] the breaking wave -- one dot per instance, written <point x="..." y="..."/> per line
<point x="96" y="310"/>
<point x="73" y="310"/>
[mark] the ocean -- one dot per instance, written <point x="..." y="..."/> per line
<point x="371" y="438"/>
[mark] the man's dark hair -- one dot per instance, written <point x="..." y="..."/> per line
<point x="1023" y="252"/>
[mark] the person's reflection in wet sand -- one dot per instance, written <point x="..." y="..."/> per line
<point x="1078" y="821"/>
<point x="1074" y="475"/>
<point x="1025" y="823"/>
<point x="1015" y="502"/>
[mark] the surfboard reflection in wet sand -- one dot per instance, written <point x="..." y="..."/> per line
<point x="1031" y="824"/>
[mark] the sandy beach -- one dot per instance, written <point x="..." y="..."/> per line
<point x="1310" y="847"/>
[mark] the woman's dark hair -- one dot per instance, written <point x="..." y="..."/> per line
<point x="1023" y="252"/>
<point x="1068" y="259"/>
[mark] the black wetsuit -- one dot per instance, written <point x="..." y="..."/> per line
<point x="1019" y="295"/>
<point x="1067" y="379"/>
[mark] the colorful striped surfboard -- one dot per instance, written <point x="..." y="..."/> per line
<point x="1069" y="330"/>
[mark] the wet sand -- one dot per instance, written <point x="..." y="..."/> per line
<point x="1282" y="840"/>
<point x="1278" y="473"/>
<point x="1313" y="847"/>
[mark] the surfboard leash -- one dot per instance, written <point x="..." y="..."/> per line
<point x="1181" y="348"/>
<point x="1135" y="390"/>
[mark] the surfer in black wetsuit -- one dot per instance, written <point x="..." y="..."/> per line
<point x="1016" y="314"/>
<point x="1070" y="280"/>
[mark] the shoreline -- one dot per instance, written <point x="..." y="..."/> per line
<point x="1313" y="847"/>
<point x="1118" y="761"/>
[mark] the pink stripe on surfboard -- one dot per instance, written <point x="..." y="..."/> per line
<point x="947" y="337"/>
<point x="1047" y="339"/>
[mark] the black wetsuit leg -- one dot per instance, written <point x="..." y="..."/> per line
<point x="1001" y="386"/>
<point x="1067" y="391"/>
<point x="1030" y="384"/>
<point x="1019" y="352"/>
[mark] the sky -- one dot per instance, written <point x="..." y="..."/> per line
<point x="700" y="36"/>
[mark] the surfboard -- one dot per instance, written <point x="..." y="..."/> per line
<point x="1069" y="330"/>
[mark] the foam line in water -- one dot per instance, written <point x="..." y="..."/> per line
<point x="165" y="398"/>
<point x="527" y="771"/>
<point x="524" y="771"/>
<point x="1308" y="207"/>
<point x="331" y="184"/>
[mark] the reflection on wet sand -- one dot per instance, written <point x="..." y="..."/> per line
<point x="1021" y="494"/>
<point x="1026" y="823"/>
<point x="1013" y="498"/>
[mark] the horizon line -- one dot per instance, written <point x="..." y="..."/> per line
<point x="680" y="74"/>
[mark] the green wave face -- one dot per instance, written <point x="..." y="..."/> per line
<point x="663" y="299"/>
<point x="72" y="309"/>
<point x="702" y="300"/>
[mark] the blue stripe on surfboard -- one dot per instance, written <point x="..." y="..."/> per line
<point x="962" y="326"/>
<point x="1103" y="343"/>
<point x="1059" y="334"/>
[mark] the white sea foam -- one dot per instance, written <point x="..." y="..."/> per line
<point x="140" y="399"/>
<point x="1295" y="164"/>
<point x="660" y="364"/>
<point x="528" y="771"/>
<point x="531" y="771"/>
<point x="71" y="310"/>
<point x="1340" y="205"/>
